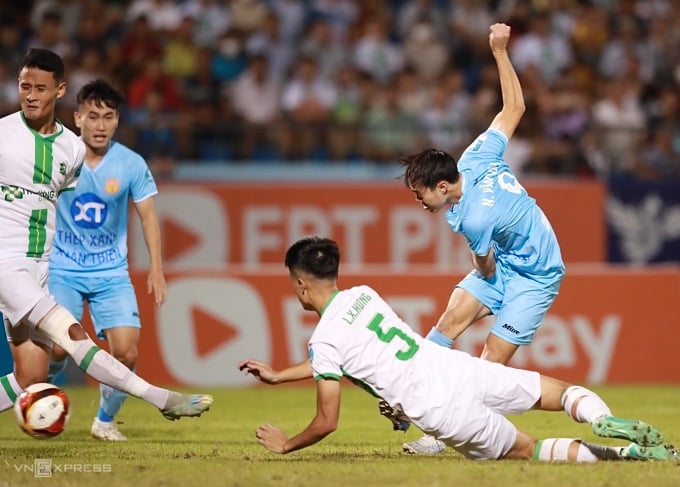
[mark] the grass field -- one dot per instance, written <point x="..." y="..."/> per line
<point x="219" y="449"/>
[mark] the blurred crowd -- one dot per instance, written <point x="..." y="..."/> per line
<point x="341" y="81"/>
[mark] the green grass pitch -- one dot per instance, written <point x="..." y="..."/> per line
<point x="219" y="449"/>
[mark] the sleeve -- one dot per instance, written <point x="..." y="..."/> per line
<point x="478" y="231"/>
<point x="142" y="183"/>
<point x="485" y="149"/>
<point x="71" y="179"/>
<point x="325" y="361"/>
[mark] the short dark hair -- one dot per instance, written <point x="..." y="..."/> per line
<point x="428" y="167"/>
<point x="317" y="256"/>
<point x="101" y="92"/>
<point x="44" y="60"/>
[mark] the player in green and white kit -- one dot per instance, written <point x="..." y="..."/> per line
<point x="449" y="394"/>
<point x="39" y="159"/>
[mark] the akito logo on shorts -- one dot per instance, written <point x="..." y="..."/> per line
<point x="88" y="211"/>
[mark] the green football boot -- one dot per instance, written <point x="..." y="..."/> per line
<point x="627" y="429"/>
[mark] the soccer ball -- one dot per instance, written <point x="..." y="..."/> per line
<point x="42" y="410"/>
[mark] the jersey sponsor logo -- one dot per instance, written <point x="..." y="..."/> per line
<point x="88" y="211"/>
<point x="11" y="193"/>
<point x="511" y="329"/>
<point x="112" y="185"/>
<point x="62" y="168"/>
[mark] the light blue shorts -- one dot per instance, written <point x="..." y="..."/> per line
<point x="518" y="301"/>
<point x="111" y="300"/>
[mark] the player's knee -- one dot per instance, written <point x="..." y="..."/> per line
<point x="58" y="354"/>
<point x="62" y="328"/>
<point x="523" y="449"/>
<point x="76" y="332"/>
<point x="27" y="377"/>
<point x="127" y="357"/>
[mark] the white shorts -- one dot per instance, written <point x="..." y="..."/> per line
<point x="468" y="399"/>
<point x="23" y="284"/>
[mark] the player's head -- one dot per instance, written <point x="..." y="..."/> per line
<point x="41" y="84"/>
<point x="98" y="114"/>
<point x="430" y="174"/>
<point x="313" y="263"/>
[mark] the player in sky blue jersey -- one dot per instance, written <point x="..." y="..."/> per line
<point x="89" y="261"/>
<point x="517" y="262"/>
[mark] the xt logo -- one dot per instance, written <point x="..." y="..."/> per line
<point x="12" y="193"/>
<point x="88" y="211"/>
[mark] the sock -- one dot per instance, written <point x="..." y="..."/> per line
<point x="110" y="402"/>
<point x="439" y="338"/>
<point x="603" y="452"/>
<point x="558" y="450"/>
<point x="9" y="391"/>
<point x="56" y="368"/>
<point x="104" y="368"/>
<point x="589" y="406"/>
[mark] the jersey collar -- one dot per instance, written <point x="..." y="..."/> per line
<point x="50" y="137"/>
<point x="330" y="300"/>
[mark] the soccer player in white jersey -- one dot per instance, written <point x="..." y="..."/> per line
<point x="89" y="259"/>
<point x="39" y="159"/>
<point x="447" y="393"/>
<point x="518" y="266"/>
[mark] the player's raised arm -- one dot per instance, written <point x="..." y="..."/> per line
<point x="508" y="118"/>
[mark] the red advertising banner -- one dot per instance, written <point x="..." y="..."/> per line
<point x="252" y="225"/>
<point x="607" y="326"/>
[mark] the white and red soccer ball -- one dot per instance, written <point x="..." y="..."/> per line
<point x="42" y="410"/>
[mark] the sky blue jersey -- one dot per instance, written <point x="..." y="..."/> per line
<point x="92" y="221"/>
<point x="496" y="211"/>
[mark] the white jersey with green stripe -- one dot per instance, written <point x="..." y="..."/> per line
<point x="34" y="170"/>
<point x="360" y="337"/>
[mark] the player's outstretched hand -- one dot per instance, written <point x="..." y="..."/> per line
<point x="259" y="370"/>
<point x="499" y="37"/>
<point x="271" y="437"/>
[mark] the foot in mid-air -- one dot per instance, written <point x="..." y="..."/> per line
<point x="662" y="453"/>
<point x="186" y="405"/>
<point x="427" y="445"/>
<point x="627" y="429"/>
<point x="102" y="430"/>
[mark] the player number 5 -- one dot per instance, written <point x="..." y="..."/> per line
<point x="388" y="336"/>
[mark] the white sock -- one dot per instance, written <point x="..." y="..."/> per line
<point x="104" y="368"/>
<point x="589" y="406"/>
<point x="9" y="391"/>
<point x="557" y="450"/>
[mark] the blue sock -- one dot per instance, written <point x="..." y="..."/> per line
<point x="55" y="369"/>
<point x="439" y="338"/>
<point x="110" y="402"/>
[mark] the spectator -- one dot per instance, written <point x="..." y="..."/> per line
<point x="164" y="16"/>
<point x="229" y="59"/>
<point x="211" y="20"/>
<point x="152" y="79"/>
<point x="345" y="115"/>
<point x="246" y="16"/>
<point x="139" y="44"/>
<point x="425" y="52"/>
<point x="180" y="52"/>
<point x="619" y="121"/>
<point x="387" y="131"/>
<point x="328" y="52"/>
<point x="270" y="42"/>
<point x="255" y="98"/>
<point x="306" y="101"/>
<point x="375" y="54"/>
